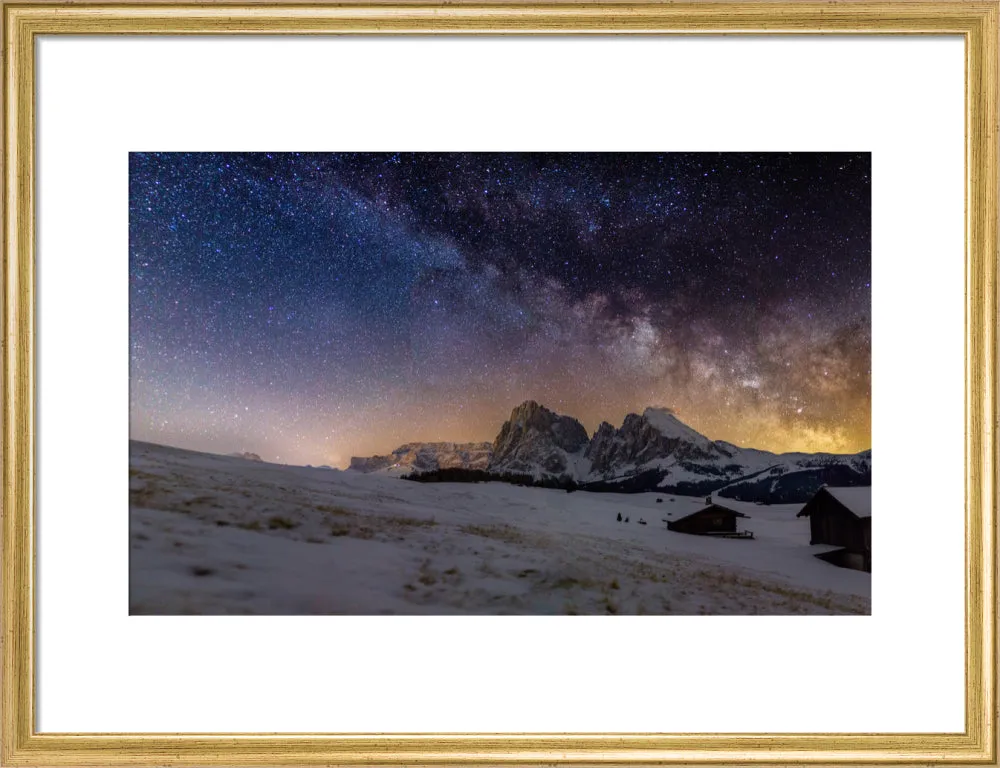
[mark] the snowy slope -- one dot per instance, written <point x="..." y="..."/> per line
<point x="214" y="534"/>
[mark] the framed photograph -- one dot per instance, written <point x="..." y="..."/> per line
<point x="500" y="383"/>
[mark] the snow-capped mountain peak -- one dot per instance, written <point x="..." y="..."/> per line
<point x="665" y="421"/>
<point x="656" y="437"/>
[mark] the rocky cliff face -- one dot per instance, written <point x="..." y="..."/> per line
<point x="656" y="434"/>
<point x="538" y="442"/>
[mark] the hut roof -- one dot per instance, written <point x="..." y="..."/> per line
<point x="857" y="499"/>
<point x="708" y="507"/>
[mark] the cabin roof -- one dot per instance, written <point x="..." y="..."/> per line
<point x="857" y="499"/>
<point x="707" y="507"/>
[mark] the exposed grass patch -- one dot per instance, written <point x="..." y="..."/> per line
<point x="331" y="510"/>
<point x="202" y="501"/>
<point x="277" y="522"/>
<point x="139" y="496"/>
<point x="792" y="596"/>
<point x="253" y="525"/>
<point x="401" y="521"/>
<point x="566" y="581"/>
<point x="427" y="577"/>
<point x="500" y="531"/>
<point x="614" y="584"/>
<point x="452" y="576"/>
<point x="644" y="572"/>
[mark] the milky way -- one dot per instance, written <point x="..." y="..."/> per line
<point x="311" y="307"/>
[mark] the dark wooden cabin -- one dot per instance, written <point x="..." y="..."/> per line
<point x="842" y="517"/>
<point x="710" y="519"/>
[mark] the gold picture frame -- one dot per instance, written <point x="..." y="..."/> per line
<point x="976" y="22"/>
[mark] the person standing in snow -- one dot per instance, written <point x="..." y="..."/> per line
<point x="619" y="517"/>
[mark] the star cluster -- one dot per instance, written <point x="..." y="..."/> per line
<point x="311" y="307"/>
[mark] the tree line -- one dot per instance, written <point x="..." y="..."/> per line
<point x="462" y="475"/>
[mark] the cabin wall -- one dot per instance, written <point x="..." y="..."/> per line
<point x="709" y="521"/>
<point x="868" y="544"/>
<point x="831" y="524"/>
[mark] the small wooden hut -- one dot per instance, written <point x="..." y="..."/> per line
<point x="842" y="517"/>
<point x="712" y="519"/>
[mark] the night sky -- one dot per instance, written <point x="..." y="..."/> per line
<point x="311" y="307"/>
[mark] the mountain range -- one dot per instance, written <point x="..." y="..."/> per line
<point x="424" y="457"/>
<point x="651" y="451"/>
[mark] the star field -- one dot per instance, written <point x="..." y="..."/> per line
<point x="311" y="307"/>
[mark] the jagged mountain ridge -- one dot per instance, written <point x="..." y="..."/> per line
<point x="656" y="434"/>
<point x="426" y="457"/>
<point x="651" y="451"/>
<point x="539" y="442"/>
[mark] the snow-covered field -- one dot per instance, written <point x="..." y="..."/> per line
<point x="222" y="535"/>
